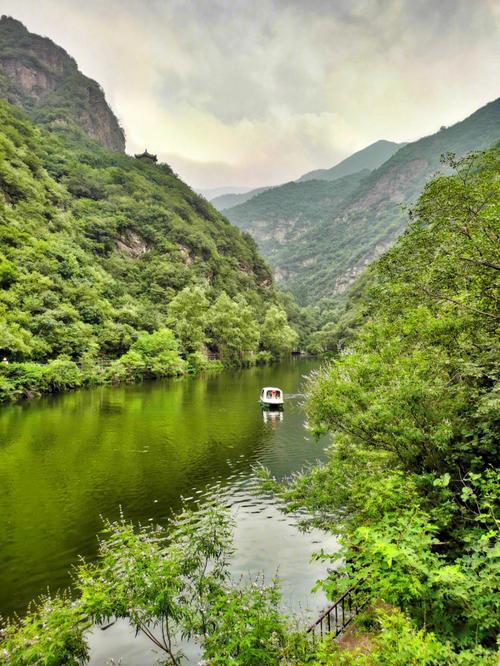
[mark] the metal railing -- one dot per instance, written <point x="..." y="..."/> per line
<point x="335" y="619"/>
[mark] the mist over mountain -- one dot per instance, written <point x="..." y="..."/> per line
<point x="213" y="192"/>
<point x="317" y="247"/>
<point x="234" y="199"/>
<point x="370" y="157"/>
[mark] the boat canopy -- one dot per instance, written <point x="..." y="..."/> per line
<point x="269" y="390"/>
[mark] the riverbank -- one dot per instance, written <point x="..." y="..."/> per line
<point x="412" y="484"/>
<point x="25" y="381"/>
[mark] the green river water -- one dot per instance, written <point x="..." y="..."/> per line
<point x="66" y="461"/>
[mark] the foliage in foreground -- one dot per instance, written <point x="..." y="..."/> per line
<point x="169" y="584"/>
<point x="412" y="481"/>
<point x="174" y="584"/>
<point x="50" y="633"/>
<point x="388" y="638"/>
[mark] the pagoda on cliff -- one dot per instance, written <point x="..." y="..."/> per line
<point x="146" y="156"/>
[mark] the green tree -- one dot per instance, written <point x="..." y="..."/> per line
<point x="158" y="579"/>
<point x="233" y="328"/>
<point x="412" y="481"/>
<point x="187" y="317"/>
<point x="277" y="336"/>
<point x="151" y="355"/>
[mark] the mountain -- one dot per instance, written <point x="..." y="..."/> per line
<point x="320" y="252"/>
<point x="213" y="192"/>
<point x="282" y="217"/>
<point x="234" y="198"/>
<point x="96" y="246"/>
<point x="370" y="158"/>
<point x="43" y="79"/>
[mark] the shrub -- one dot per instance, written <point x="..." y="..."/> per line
<point x="50" y="634"/>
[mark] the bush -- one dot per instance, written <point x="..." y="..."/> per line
<point x="198" y="362"/>
<point x="34" y="379"/>
<point x="248" y="628"/>
<point x="62" y="374"/>
<point x="50" y="634"/>
<point x="263" y="357"/>
<point x="151" y="355"/>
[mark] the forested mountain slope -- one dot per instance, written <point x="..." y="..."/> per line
<point x="330" y="249"/>
<point x="95" y="245"/>
<point x="285" y="215"/>
<point x="42" y="78"/>
<point x="370" y="158"/>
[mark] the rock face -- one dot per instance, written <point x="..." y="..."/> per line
<point x="42" y="78"/>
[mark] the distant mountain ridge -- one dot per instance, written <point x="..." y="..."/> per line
<point x="320" y="252"/>
<point x="45" y="81"/>
<point x="234" y="199"/>
<point x="370" y="157"/>
<point x="213" y="192"/>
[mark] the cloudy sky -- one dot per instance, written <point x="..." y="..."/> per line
<point x="257" y="92"/>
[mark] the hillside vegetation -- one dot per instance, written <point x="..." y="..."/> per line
<point x="104" y="257"/>
<point x="412" y="479"/>
<point x="328" y="250"/>
<point x="281" y="218"/>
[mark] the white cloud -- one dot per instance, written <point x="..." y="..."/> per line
<point x="252" y="93"/>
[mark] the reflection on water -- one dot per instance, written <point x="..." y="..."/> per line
<point x="272" y="417"/>
<point x="67" y="461"/>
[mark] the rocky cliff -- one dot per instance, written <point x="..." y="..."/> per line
<point x="41" y="77"/>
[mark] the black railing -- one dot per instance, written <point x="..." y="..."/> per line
<point x="336" y="618"/>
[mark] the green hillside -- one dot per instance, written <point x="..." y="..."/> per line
<point x="370" y="158"/>
<point x="335" y="244"/>
<point x="94" y="248"/>
<point x="282" y="217"/>
<point x="411" y="482"/>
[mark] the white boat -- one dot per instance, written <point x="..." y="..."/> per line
<point x="271" y="396"/>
